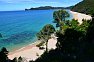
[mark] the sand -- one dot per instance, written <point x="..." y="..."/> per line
<point x="80" y="16"/>
<point x="32" y="52"/>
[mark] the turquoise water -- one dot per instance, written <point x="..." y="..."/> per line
<point x="19" y="28"/>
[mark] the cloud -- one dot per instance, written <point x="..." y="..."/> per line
<point x="64" y="3"/>
<point x="44" y="2"/>
<point x="14" y="1"/>
<point x="27" y="1"/>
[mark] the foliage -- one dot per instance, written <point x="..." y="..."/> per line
<point x="3" y="55"/>
<point x="84" y="26"/>
<point x="59" y="16"/>
<point x="75" y="44"/>
<point x="40" y="44"/>
<point x="20" y="59"/>
<point x="4" y="58"/>
<point x="52" y="56"/>
<point x="85" y="6"/>
<point x="74" y="23"/>
<point x="70" y="40"/>
<point x="45" y="33"/>
<point x="77" y="41"/>
<point x="89" y="54"/>
<point x="14" y="60"/>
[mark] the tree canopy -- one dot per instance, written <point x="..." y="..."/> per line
<point x="45" y="33"/>
<point x="75" y="44"/>
<point x="59" y="16"/>
<point x="3" y="55"/>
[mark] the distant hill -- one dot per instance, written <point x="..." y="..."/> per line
<point x="85" y="6"/>
<point x="70" y="7"/>
<point x="45" y="8"/>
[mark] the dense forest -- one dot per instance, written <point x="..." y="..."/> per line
<point x="86" y="6"/>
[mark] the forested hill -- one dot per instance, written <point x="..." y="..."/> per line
<point x="45" y="8"/>
<point x="85" y="6"/>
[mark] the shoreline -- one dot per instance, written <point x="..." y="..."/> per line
<point x="32" y="52"/>
<point x="22" y="48"/>
<point x="25" y="52"/>
<point x="21" y="45"/>
<point x="80" y="16"/>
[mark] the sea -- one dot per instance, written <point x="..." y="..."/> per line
<point x="19" y="28"/>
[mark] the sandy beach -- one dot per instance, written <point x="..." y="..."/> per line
<point x="32" y="52"/>
<point x="80" y="16"/>
<point x="29" y="52"/>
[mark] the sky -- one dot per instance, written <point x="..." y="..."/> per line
<point x="9" y="5"/>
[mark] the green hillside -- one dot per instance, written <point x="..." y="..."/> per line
<point x="86" y="6"/>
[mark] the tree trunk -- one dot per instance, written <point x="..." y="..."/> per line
<point x="47" y="46"/>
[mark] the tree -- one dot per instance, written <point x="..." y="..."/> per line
<point x="14" y="60"/>
<point x="74" y="23"/>
<point x="92" y="16"/>
<point x="69" y="24"/>
<point x="45" y="33"/>
<point x="20" y="59"/>
<point x="85" y="6"/>
<point x="3" y="55"/>
<point x="84" y="26"/>
<point x="60" y="16"/>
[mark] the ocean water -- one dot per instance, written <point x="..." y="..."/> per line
<point x="19" y="28"/>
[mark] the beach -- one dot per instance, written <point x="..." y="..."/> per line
<point x="21" y="27"/>
<point x="80" y="16"/>
<point x="28" y="52"/>
<point x="32" y="52"/>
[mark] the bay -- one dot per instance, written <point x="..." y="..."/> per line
<point x="19" y="28"/>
